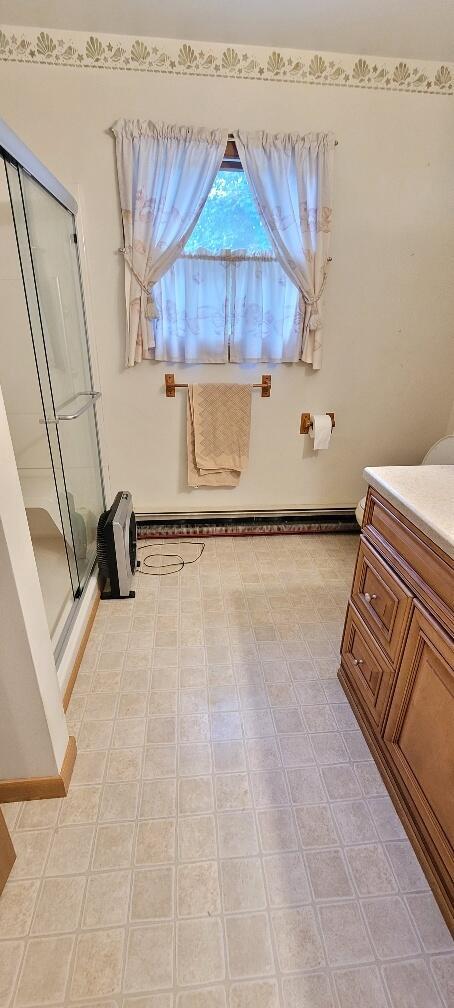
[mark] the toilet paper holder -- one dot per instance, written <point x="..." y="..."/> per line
<point x="306" y="423"/>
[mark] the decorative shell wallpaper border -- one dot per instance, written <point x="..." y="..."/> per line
<point x="171" y="56"/>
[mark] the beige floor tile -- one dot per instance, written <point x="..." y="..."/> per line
<point x="242" y="885"/>
<point x="306" y="786"/>
<point x="369" y="779"/>
<point x="197" y="838"/>
<point x="71" y="850"/>
<point x="59" y="905"/>
<point x="296" y="750"/>
<point x="113" y="846"/>
<point x="370" y="869"/>
<point x="119" y="802"/>
<point x="229" y="757"/>
<point x="277" y="830"/>
<point x="193" y="701"/>
<point x="39" y="814"/>
<point x="129" y="732"/>
<point x="101" y="707"/>
<point x="89" y="768"/>
<point x="158" y="799"/>
<point x="316" y="826"/>
<point x="223" y="698"/>
<point x="254" y="994"/>
<point x="80" y="806"/>
<point x="193" y="677"/>
<point x="226" y="725"/>
<point x="408" y="871"/>
<point x="263" y="754"/>
<point x="341" y="782"/>
<point x="10" y="959"/>
<point x="159" y="761"/>
<point x="288" y="720"/>
<point x="429" y="923"/>
<point x="106" y="900"/>
<point x="149" y="961"/>
<point x="286" y="880"/>
<point x="194" y="758"/>
<point x="308" y="990"/>
<point x="164" y="679"/>
<point x="124" y="765"/>
<point x="344" y="934"/>
<point x="246" y="958"/>
<point x="237" y="834"/>
<point x="98" y="964"/>
<point x="44" y="973"/>
<point x="329" y="748"/>
<point x="17" y="904"/>
<point x="94" y="735"/>
<point x="361" y="986"/>
<point x="155" y="841"/>
<point x="152" y="894"/>
<point x="387" y="822"/>
<point x="253" y="697"/>
<point x="443" y="970"/>
<point x="200" y="951"/>
<point x="195" y="795"/>
<point x="198" y="890"/>
<point x="328" y="874"/>
<point x="269" y="789"/>
<point x="410" y="985"/>
<point x="258" y="723"/>
<point x="354" y="821"/>
<point x="298" y="942"/>
<point x="194" y="728"/>
<point x="132" y="705"/>
<point x="162" y="702"/>
<point x="31" y="852"/>
<point x="232" y="791"/>
<point x="209" y="997"/>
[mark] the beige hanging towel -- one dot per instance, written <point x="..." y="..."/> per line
<point x="218" y="430"/>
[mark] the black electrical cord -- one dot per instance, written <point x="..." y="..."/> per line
<point x="155" y="570"/>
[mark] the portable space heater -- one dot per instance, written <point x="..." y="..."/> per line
<point x="117" y="547"/>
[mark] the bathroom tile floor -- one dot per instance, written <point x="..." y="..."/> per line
<point x="227" y="841"/>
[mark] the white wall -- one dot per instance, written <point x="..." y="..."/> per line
<point x="389" y="353"/>
<point x="33" y="733"/>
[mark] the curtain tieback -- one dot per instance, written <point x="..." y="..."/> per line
<point x="151" y="311"/>
<point x="313" y="319"/>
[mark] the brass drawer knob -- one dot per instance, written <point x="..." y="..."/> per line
<point x="358" y="661"/>
<point x="368" y="598"/>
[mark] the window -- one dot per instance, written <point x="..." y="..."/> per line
<point x="227" y="298"/>
<point x="230" y="219"/>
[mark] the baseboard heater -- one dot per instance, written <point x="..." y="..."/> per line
<point x="245" y="523"/>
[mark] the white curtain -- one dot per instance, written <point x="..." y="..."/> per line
<point x="191" y="301"/>
<point x="267" y="313"/>
<point x="164" y="174"/>
<point x="291" y="178"/>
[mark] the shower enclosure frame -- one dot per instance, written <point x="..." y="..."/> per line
<point x="15" y="153"/>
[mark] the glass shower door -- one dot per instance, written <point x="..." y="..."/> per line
<point x="47" y="243"/>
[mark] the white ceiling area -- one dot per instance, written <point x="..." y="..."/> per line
<point x="417" y="29"/>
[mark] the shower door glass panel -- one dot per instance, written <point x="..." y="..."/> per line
<point x="50" y="266"/>
<point x="25" y="385"/>
<point x="52" y="236"/>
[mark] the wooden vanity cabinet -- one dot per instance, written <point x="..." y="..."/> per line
<point x="397" y="669"/>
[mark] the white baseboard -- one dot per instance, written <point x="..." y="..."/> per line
<point x="69" y="653"/>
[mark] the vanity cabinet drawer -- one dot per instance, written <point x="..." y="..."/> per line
<point x="381" y="598"/>
<point x="370" y="674"/>
<point x="431" y="572"/>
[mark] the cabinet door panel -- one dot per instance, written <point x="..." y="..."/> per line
<point x="367" y="669"/>
<point x="420" y="728"/>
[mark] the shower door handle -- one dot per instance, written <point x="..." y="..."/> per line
<point x="93" y="396"/>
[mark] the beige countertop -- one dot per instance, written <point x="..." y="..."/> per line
<point x="424" y="494"/>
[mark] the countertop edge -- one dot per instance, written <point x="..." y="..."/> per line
<point x="434" y="532"/>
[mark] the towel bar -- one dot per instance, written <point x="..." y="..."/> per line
<point x="171" y="385"/>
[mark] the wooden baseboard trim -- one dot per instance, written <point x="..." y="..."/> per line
<point x="80" y="653"/>
<point x="434" y="879"/>
<point x="30" y="788"/>
<point x="7" y="853"/>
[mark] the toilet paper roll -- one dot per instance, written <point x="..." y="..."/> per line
<point x="320" y="430"/>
